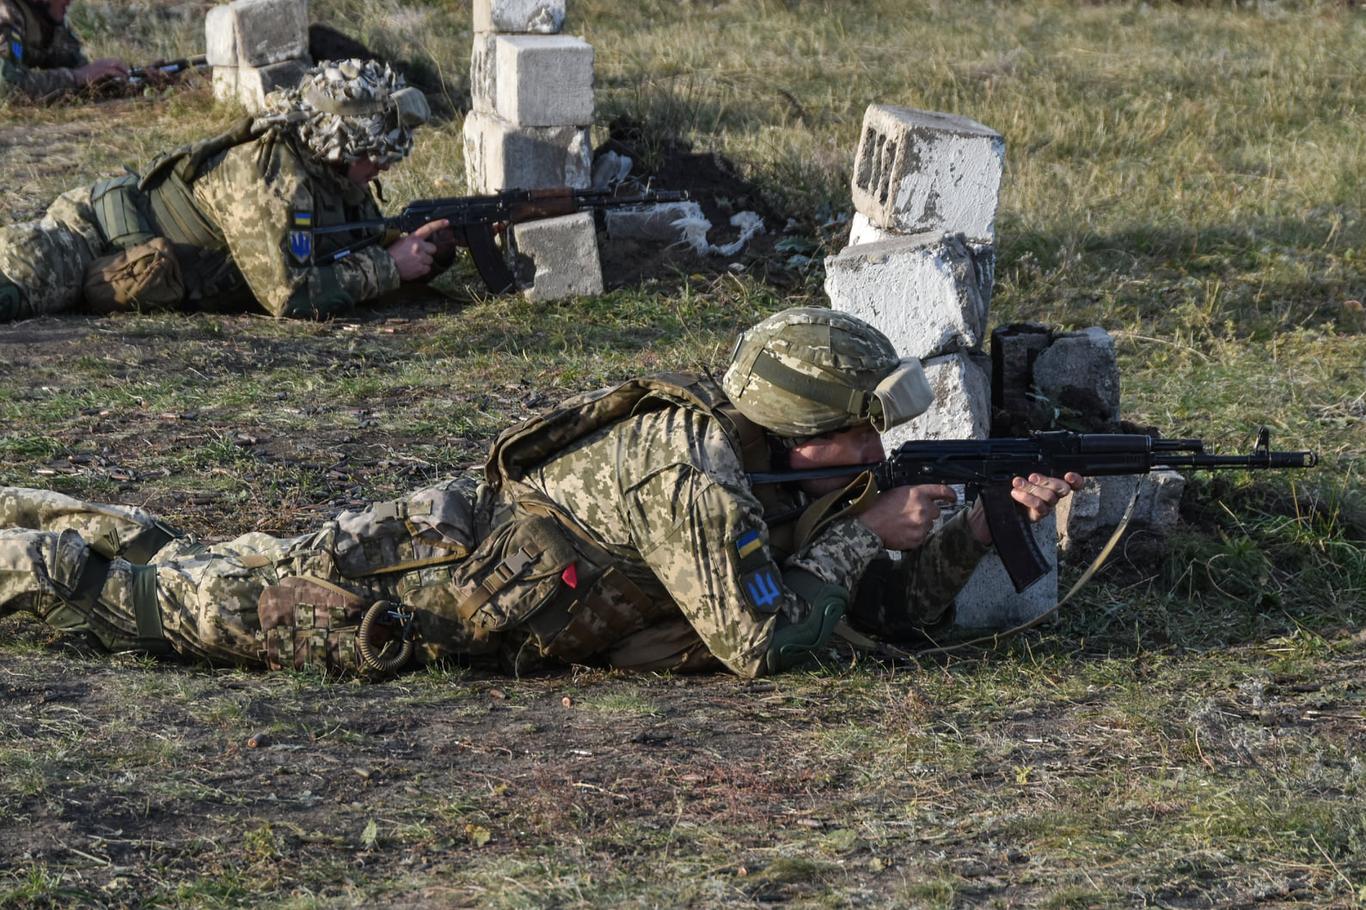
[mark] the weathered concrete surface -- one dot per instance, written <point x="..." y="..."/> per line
<point x="962" y="400"/>
<point x="255" y="82"/>
<point x="651" y="223"/>
<point x="1088" y="517"/>
<point x="925" y="292"/>
<point x="558" y="257"/>
<point x="270" y="31"/>
<point x="862" y="231"/>
<point x="483" y="73"/>
<point x="1076" y="383"/>
<point x="543" y="80"/>
<point x="918" y="171"/>
<point x="225" y="84"/>
<point x="1014" y="348"/>
<point x="545" y="17"/>
<point x="989" y="600"/>
<point x="220" y="37"/>
<point x="499" y="155"/>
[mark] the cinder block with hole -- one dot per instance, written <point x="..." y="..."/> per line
<point x="918" y="171"/>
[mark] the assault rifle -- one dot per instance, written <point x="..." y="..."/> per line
<point x="475" y="219"/>
<point x="166" y="69"/>
<point x="987" y="466"/>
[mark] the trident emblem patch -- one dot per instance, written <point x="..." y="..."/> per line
<point x="301" y="237"/>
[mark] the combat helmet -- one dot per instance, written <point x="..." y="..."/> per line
<point x="807" y="371"/>
<point x="345" y="110"/>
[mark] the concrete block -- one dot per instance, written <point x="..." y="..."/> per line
<point x="220" y="37"/>
<point x="558" y="257"/>
<point x="483" y="74"/>
<point x="989" y="600"/>
<point x="922" y="291"/>
<point x="1076" y="383"/>
<point x="255" y="82"/>
<point x="543" y="80"/>
<point x="270" y="31"/>
<point x="962" y="401"/>
<point x="545" y="17"/>
<point x="861" y="231"/>
<point x="1088" y="517"/>
<point x="1014" y="348"/>
<point x="225" y="84"/>
<point x="500" y="156"/>
<point x="918" y="171"/>
<point x="651" y="223"/>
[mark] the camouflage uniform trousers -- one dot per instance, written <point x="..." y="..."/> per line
<point x="206" y="595"/>
<point x="43" y="262"/>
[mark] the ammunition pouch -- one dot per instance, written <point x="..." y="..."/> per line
<point x="309" y="623"/>
<point x="120" y="212"/>
<point x="140" y="278"/>
<point x="796" y="643"/>
<point x="539" y="574"/>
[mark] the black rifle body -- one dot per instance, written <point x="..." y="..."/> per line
<point x="475" y="219"/>
<point x="166" y="69"/>
<point x="987" y="467"/>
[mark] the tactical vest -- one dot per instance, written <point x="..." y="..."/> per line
<point x="132" y="210"/>
<point x="515" y="566"/>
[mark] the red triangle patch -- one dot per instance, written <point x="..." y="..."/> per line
<point x="570" y="576"/>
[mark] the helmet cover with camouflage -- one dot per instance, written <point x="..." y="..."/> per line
<point x="346" y="110"/>
<point x="807" y="371"/>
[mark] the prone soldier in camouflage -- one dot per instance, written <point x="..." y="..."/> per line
<point x="620" y="528"/>
<point x="216" y="223"/>
<point x="40" y="59"/>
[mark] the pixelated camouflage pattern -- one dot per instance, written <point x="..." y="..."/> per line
<point x="900" y="600"/>
<point x="46" y="259"/>
<point x="822" y="344"/>
<point x="50" y="54"/>
<point x="666" y="493"/>
<point x="252" y="193"/>
<point x="112" y="530"/>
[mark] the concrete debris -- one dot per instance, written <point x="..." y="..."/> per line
<point x="558" y="257"/>
<point x="545" y="17"/>
<point x="611" y="169"/>
<point x="662" y="223"/>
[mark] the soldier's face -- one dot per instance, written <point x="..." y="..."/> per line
<point x="363" y="170"/>
<point x="856" y="445"/>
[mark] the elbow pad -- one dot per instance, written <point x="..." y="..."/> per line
<point x="793" y="643"/>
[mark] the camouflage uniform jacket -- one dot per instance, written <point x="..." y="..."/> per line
<point x="666" y="492"/>
<point x="37" y="56"/>
<point x="255" y="192"/>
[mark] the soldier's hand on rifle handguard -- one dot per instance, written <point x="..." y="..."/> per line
<point x="100" y="70"/>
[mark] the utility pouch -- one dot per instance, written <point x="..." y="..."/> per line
<point x="145" y="277"/>
<point x="431" y="527"/>
<point x="542" y="575"/>
<point x="310" y="623"/>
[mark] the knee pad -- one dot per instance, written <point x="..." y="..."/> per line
<point x="795" y="642"/>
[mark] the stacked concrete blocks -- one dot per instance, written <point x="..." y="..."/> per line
<point x="255" y="47"/>
<point x="921" y="266"/>
<point x="532" y="93"/>
<point x="922" y="171"/>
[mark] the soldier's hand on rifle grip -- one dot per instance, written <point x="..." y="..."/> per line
<point x="413" y="254"/>
<point x="99" y="70"/>
<point x="903" y="516"/>
<point x="1039" y="495"/>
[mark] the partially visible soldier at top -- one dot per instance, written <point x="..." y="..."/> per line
<point x="221" y="221"/>
<point x="40" y="59"/>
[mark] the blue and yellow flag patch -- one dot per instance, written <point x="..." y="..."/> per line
<point x="301" y="237"/>
<point x="760" y="581"/>
<point x="16" y="50"/>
